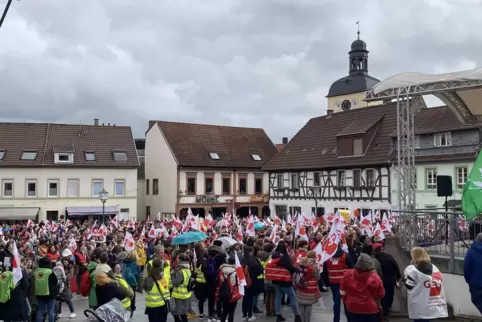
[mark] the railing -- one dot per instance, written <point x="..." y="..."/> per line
<point x="445" y="235"/>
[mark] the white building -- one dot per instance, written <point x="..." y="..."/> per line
<point x="443" y="146"/>
<point x="56" y="171"/>
<point x="208" y="168"/>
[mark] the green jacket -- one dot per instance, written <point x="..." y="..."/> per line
<point x="92" y="295"/>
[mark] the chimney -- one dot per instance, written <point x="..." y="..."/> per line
<point x="96" y="122"/>
<point x="285" y="141"/>
<point x="329" y="112"/>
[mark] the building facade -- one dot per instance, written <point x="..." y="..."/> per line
<point x="141" y="179"/>
<point x="208" y="168"/>
<point x="57" y="171"/>
<point x="443" y="146"/>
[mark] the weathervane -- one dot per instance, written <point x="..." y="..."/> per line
<point x="358" y="32"/>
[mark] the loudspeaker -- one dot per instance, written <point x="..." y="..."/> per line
<point x="444" y="186"/>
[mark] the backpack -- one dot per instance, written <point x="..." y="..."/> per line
<point x="226" y="289"/>
<point x="300" y="277"/>
<point x="211" y="267"/>
<point x="85" y="284"/>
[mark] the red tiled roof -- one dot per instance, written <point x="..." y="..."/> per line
<point x="45" y="138"/>
<point x="192" y="144"/>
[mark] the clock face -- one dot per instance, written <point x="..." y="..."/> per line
<point x="345" y="105"/>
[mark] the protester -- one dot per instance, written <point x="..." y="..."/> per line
<point x="307" y="290"/>
<point x="157" y="292"/>
<point x="473" y="272"/>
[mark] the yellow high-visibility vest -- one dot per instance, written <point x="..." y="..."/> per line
<point x="126" y="302"/>
<point x="200" y="278"/>
<point x="181" y="292"/>
<point x="263" y="263"/>
<point x="158" y="297"/>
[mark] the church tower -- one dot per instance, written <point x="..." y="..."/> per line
<point x="349" y="92"/>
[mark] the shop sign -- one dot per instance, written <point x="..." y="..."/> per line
<point x="259" y="198"/>
<point x="207" y="199"/>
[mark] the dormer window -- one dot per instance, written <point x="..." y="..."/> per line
<point x="29" y="155"/>
<point x="256" y="157"/>
<point x="2" y="154"/>
<point x="214" y="156"/>
<point x="89" y="156"/>
<point x="120" y="156"/>
<point x="64" y="157"/>
<point x="357" y="146"/>
<point x="442" y="139"/>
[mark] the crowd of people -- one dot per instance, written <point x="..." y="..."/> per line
<point x="279" y="265"/>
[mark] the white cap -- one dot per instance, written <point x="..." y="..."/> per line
<point x="66" y="253"/>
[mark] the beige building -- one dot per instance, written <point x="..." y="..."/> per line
<point x="57" y="171"/>
<point x="209" y="168"/>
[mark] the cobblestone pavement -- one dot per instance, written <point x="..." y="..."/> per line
<point x="318" y="315"/>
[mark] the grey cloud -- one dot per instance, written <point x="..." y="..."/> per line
<point x="242" y="62"/>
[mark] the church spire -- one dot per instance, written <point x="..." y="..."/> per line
<point x="358" y="56"/>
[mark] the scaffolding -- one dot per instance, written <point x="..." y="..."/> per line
<point x="460" y="91"/>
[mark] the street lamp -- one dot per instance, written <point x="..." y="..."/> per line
<point x="103" y="197"/>
<point x="314" y="193"/>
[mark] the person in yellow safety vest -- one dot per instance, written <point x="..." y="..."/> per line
<point x="201" y="290"/>
<point x="263" y="259"/>
<point x="156" y="287"/>
<point x="126" y="302"/>
<point x="158" y="253"/>
<point x="181" y="292"/>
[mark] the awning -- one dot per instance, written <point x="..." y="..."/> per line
<point x="93" y="210"/>
<point x="18" y="213"/>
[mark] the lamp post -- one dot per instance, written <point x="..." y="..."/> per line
<point x="103" y="197"/>
<point x="314" y="193"/>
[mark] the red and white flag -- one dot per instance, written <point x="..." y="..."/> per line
<point x="129" y="242"/>
<point x="17" y="269"/>
<point x="30" y="223"/>
<point x="250" y="227"/>
<point x="379" y="232"/>
<point x="273" y="235"/>
<point x="240" y="273"/>
<point x="152" y="232"/>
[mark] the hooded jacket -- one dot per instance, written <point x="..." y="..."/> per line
<point x="360" y="291"/>
<point x="473" y="265"/>
<point x="219" y="256"/>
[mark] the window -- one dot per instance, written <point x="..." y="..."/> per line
<point x="226" y="186"/>
<point x="7" y="188"/>
<point x="120" y="156"/>
<point x="357" y="147"/>
<point x="155" y="186"/>
<point x="63" y="158"/>
<point x="442" y="139"/>
<point x="191" y="186"/>
<point x="256" y="157"/>
<point x="320" y="211"/>
<point x="31" y="188"/>
<point x="53" y="188"/>
<point x="258" y="186"/>
<point x="89" y="156"/>
<point x="431" y="179"/>
<point x="2" y="154"/>
<point x="340" y="178"/>
<point x="461" y="177"/>
<point x="97" y="186"/>
<point x="72" y="188"/>
<point x="357" y="178"/>
<point x="29" y="155"/>
<point x="370" y="177"/>
<point x="295" y="182"/>
<point x="119" y="188"/>
<point x="295" y="210"/>
<point x="147" y="186"/>
<point x="242" y="186"/>
<point x="208" y="185"/>
<point x="280" y="211"/>
<point x="417" y="141"/>
<point x="316" y="179"/>
<point x="279" y="178"/>
<point x="148" y="211"/>
<point x="214" y="156"/>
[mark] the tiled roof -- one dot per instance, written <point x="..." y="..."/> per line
<point x="360" y="126"/>
<point x="280" y="146"/>
<point x="235" y="146"/>
<point x="45" y="138"/>
<point x="436" y="120"/>
<point x="315" y="145"/>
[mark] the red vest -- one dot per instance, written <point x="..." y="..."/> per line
<point x="312" y="285"/>
<point x="234" y="289"/>
<point x="336" y="268"/>
<point x="299" y="254"/>
<point x="276" y="273"/>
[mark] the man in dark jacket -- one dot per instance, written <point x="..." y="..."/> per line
<point x="45" y="301"/>
<point x="215" y="257"/>
<point x="473" y="272"/>
<point x="390" y="276"/>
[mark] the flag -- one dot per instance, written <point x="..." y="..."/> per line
<point x="472" y="194"/>
<point x="240" y="273"/>
<point x="17" y="269"/>
<point x="129" y="243"/>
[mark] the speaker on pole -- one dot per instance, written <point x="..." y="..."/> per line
<point x="444" y="186"/>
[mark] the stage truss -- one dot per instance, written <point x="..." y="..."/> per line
<point x="461" y="92"/>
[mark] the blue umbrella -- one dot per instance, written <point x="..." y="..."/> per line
<point x="189" y="237"/>
<point x="7" y="229"/>
<point x="258" y="225"/>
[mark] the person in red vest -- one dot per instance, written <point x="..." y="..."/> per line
<point x="306" y="284"/>
<point x="279" y="271"/>
<point x="301" y="252"/>
<point x="333" y="271"/>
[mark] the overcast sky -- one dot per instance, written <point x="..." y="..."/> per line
<point x="259" y="63"/>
